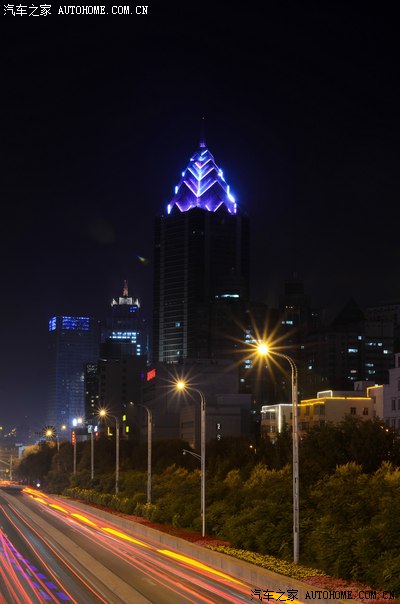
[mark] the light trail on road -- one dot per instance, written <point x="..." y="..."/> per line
<point x="145" y="556"/>
<point x="79" y="552"/>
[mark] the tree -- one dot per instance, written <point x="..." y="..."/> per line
<point x="321" y="450"/>
<point x="228" y="454"/>
<point x="366" y="442"/>
<point x="378" y="542"/>
<point x="36" y="463"/>
<point x="340" y="508"/>
<point x="264" y="521"/>
<point x="177" y="498"/>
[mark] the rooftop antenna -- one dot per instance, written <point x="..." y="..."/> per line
<point x="202" y="133"/>
<point x="125" y="289"/>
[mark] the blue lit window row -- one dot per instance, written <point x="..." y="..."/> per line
<point x="124" y="335"/>
<point x="74" y="323"/>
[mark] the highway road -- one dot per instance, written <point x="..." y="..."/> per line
<point x="52" y="551"/>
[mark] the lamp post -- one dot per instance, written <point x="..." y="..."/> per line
<point x="77" y="421"/>
<point x="50" y="433"/>
<point x="104" y="413"/>
<point x="92" y="452"/>
<point x="264" y="350"/>
<point x="196" y="455"/>
<point x="10" y="465"/>
<point x="74" y="450"/>
<point x="181" y="385"/>
<point x="149" y="437"/>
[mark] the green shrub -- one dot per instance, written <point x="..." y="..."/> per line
<point x="289" y="569"/>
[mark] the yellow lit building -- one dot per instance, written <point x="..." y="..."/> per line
<point x="329" y="406"/>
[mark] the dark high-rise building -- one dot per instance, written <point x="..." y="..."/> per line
<point x="73" y="342"/>
<point x="201" y="279"/>
<point x="113" y="384"/>
<point x="351" y="348"/>
<point x="125" y="331"/>
<point x="115" y="379"/>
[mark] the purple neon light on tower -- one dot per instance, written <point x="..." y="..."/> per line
<point x="202" y="185"/>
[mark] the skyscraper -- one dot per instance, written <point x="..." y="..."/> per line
<point x="350" y="348"/>
<point x="73" y="342"/>
<point x="201" y="278"/>
<point x="125" y="331"/>
<point x="114" y="380"/>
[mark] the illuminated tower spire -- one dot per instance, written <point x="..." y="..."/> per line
<point x="201" y="267"/>
<point x="125" y="299"/>
<point x="202" y="185"/>
<point x="202" y="143"/>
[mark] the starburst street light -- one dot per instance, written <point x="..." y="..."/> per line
<point x="184" y="386"/>
<point x="104" y="414"/>
<point x="79" y="421"/>
<point x="50" y="433"/>
<point x="263" y="349"/>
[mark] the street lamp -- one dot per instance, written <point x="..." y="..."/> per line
<point x="182" y="386"/>
<point x="104" y="413"/>
<point x="149" y="428"/>
<point x="264" y="350"/>
<point x="77" y="421"/>
<point x="10" y="465"/>
<point x="196" y="455"/>
<point x="92" y="452"/>
<point x="50" y="434"/>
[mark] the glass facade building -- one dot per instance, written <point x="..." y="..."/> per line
<point x="125" y="331"/>
<point x="73" y="342"/>
<point x="201" y="278"/>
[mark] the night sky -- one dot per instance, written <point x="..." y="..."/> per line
<point x="100" y="115"/>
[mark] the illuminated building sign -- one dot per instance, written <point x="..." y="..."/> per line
<point x="151" y="375"/>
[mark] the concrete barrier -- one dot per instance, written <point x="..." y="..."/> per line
<point x="255" y="576"/>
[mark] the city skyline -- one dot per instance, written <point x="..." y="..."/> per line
<point x="101" y="118"/>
